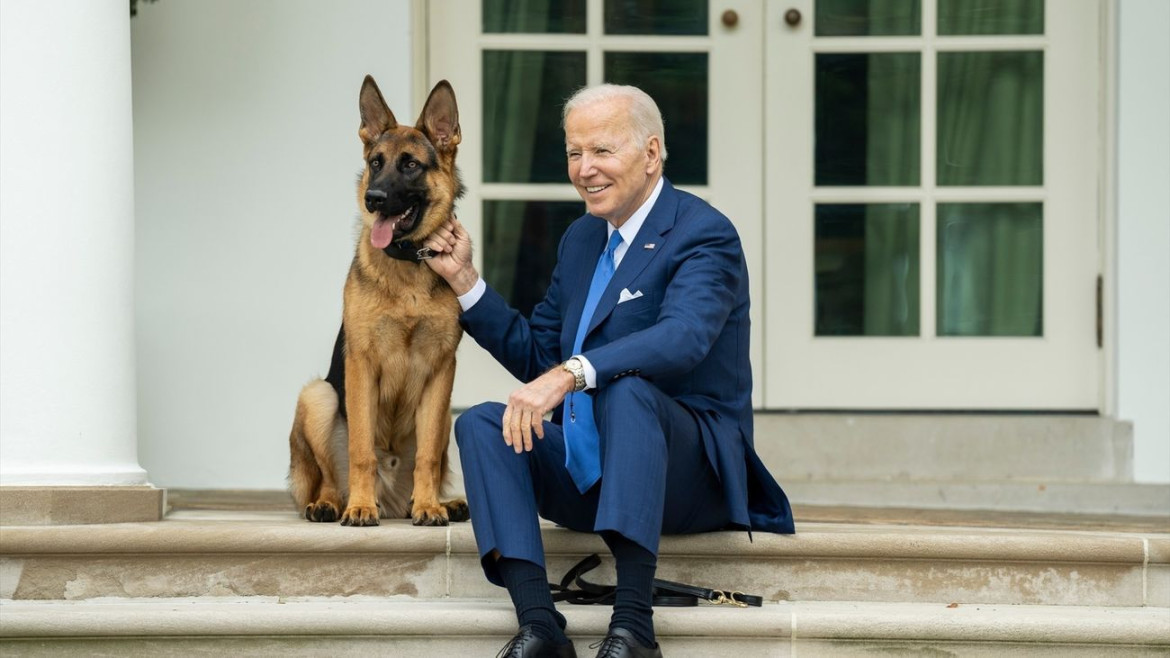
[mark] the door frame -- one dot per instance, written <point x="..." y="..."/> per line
<point x="805" y="371"/>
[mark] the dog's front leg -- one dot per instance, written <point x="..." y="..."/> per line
<point x="432" y="424"/>
<point x="361" y="407"/>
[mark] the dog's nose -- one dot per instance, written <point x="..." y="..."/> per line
<point x="374" y="200"/>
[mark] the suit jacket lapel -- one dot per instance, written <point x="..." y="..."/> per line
<point x="654" y="230"/>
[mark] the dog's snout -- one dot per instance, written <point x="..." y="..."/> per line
<point x="374" y="200"/>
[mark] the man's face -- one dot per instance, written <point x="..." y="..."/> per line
<point x="611" y="170"/>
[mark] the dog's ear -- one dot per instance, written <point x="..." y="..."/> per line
<point x="439" y="120"/>
<point x="376" y="116"/>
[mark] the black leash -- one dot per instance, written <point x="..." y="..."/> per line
<point x="666" y="593"/>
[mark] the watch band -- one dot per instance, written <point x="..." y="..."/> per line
<point x="575" y="368"/>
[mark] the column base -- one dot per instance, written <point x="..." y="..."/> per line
<point x="65" y="505"/>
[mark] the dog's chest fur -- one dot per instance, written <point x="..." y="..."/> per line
<point x="404" y="320"/>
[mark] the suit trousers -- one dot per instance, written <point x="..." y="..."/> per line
<point x="655" y="476"/>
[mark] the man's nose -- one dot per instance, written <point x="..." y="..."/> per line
<point x="585" y="165"/>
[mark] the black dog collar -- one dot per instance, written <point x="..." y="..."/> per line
<point x="405" y="250"/>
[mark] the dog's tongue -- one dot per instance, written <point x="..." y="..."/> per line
<point x="383" y="231"/>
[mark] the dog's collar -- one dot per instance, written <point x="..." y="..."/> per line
<point x="405" y="250"/>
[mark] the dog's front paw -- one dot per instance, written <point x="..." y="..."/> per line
<point x="321" y="511"/>
<point x="428" y="515"/>
<point x="457" y="510"/>
<point x="360" y="515"/>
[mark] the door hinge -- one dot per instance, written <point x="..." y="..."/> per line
<point x="1100" y="311"/>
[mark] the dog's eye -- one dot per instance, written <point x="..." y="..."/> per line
<point x="411" y="164"/>
<point x="376" y="164"/>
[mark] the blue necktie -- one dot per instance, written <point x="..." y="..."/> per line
<point x="582" y="455"/>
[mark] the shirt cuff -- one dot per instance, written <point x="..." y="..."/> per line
<point x="469" y="298"/>
<point x="590" y="372"/>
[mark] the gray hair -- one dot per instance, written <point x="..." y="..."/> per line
<point x="645" y="119"/>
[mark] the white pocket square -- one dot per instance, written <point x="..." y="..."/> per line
<point x="626" y="295"/>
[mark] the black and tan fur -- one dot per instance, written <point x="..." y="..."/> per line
<point x="370" y="441"/>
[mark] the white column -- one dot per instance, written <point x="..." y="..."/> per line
<point x="67" y="382"/>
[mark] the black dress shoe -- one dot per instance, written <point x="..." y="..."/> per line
<point x="621" y="643"/>
<point x="527" y="644"/>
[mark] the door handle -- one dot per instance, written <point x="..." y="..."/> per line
<point x="792" y="17"/>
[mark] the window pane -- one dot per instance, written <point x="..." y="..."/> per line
<point x="866" y="261"/>
<point x="656" y="17"/>
<point x="523" y="92"/>
<point x="678" y="83"/>
<point x="991" y="17"/>
<point x="990" y="269"/>
<point x="853" y="18"/>
<point x="867" y="119"/>
<point x="991" y="118"/>
<point x="520" y="241"/>
<point x="534" y="16"/>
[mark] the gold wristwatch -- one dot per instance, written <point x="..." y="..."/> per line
<point x="574" y="367"/>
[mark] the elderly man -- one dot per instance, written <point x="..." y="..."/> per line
<point x="640" y="347"/>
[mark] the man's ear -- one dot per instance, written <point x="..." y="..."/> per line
<point x="653" y="154"/>
<point x="376" y="116"/>
<point x="439" y="120"/>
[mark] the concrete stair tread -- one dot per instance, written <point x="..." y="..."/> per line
<point x="267" y="553"/>
<point x="265" y="616"/>
<point x="1101" y="499"/>
<point x="925" y="502"/>
<point x="229" y="531"/>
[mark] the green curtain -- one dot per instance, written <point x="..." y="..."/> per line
<point x="512" y="98"/>
<point x="990" y="121"/>
<point x="893" y="155"/>
<point x="990" y="132"/>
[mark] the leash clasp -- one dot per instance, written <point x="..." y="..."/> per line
<point x="424" y="254"/>
<point x="728" y="598"/>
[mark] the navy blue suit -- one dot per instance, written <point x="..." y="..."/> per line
<point x="673" y="397"/>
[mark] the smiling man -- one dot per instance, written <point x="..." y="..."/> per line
<point x="640" y="348"/>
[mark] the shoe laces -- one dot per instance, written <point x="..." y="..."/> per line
<point x="513" y="648"/>
<point x="612" y="645"/>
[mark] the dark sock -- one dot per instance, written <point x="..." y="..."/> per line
<point x="635" y="587"/>
<point x="527" y="584"/>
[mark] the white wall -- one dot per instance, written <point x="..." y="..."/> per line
<point x="246" y="149"/>
<point x="1143" y="232"/>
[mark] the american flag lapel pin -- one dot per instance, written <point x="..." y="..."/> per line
<point x="648" y="245"/>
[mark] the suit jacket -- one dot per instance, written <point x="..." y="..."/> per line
<point x="688" y="333"/>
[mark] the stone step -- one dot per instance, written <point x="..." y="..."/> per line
<point x="274" y="554"/>
<point x="1129" y="499"/>
<point x="941" y="447"/>
<point x="410" y="627"/>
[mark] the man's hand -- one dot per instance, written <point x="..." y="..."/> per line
<point x="528" y="404"/>
<point x="452" y="260"/>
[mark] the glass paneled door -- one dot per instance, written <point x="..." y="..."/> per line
<point x="931" y="204"/>
<point x="513" y="64"/>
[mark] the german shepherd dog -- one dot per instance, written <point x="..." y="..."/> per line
<point x="370" y="440"/>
